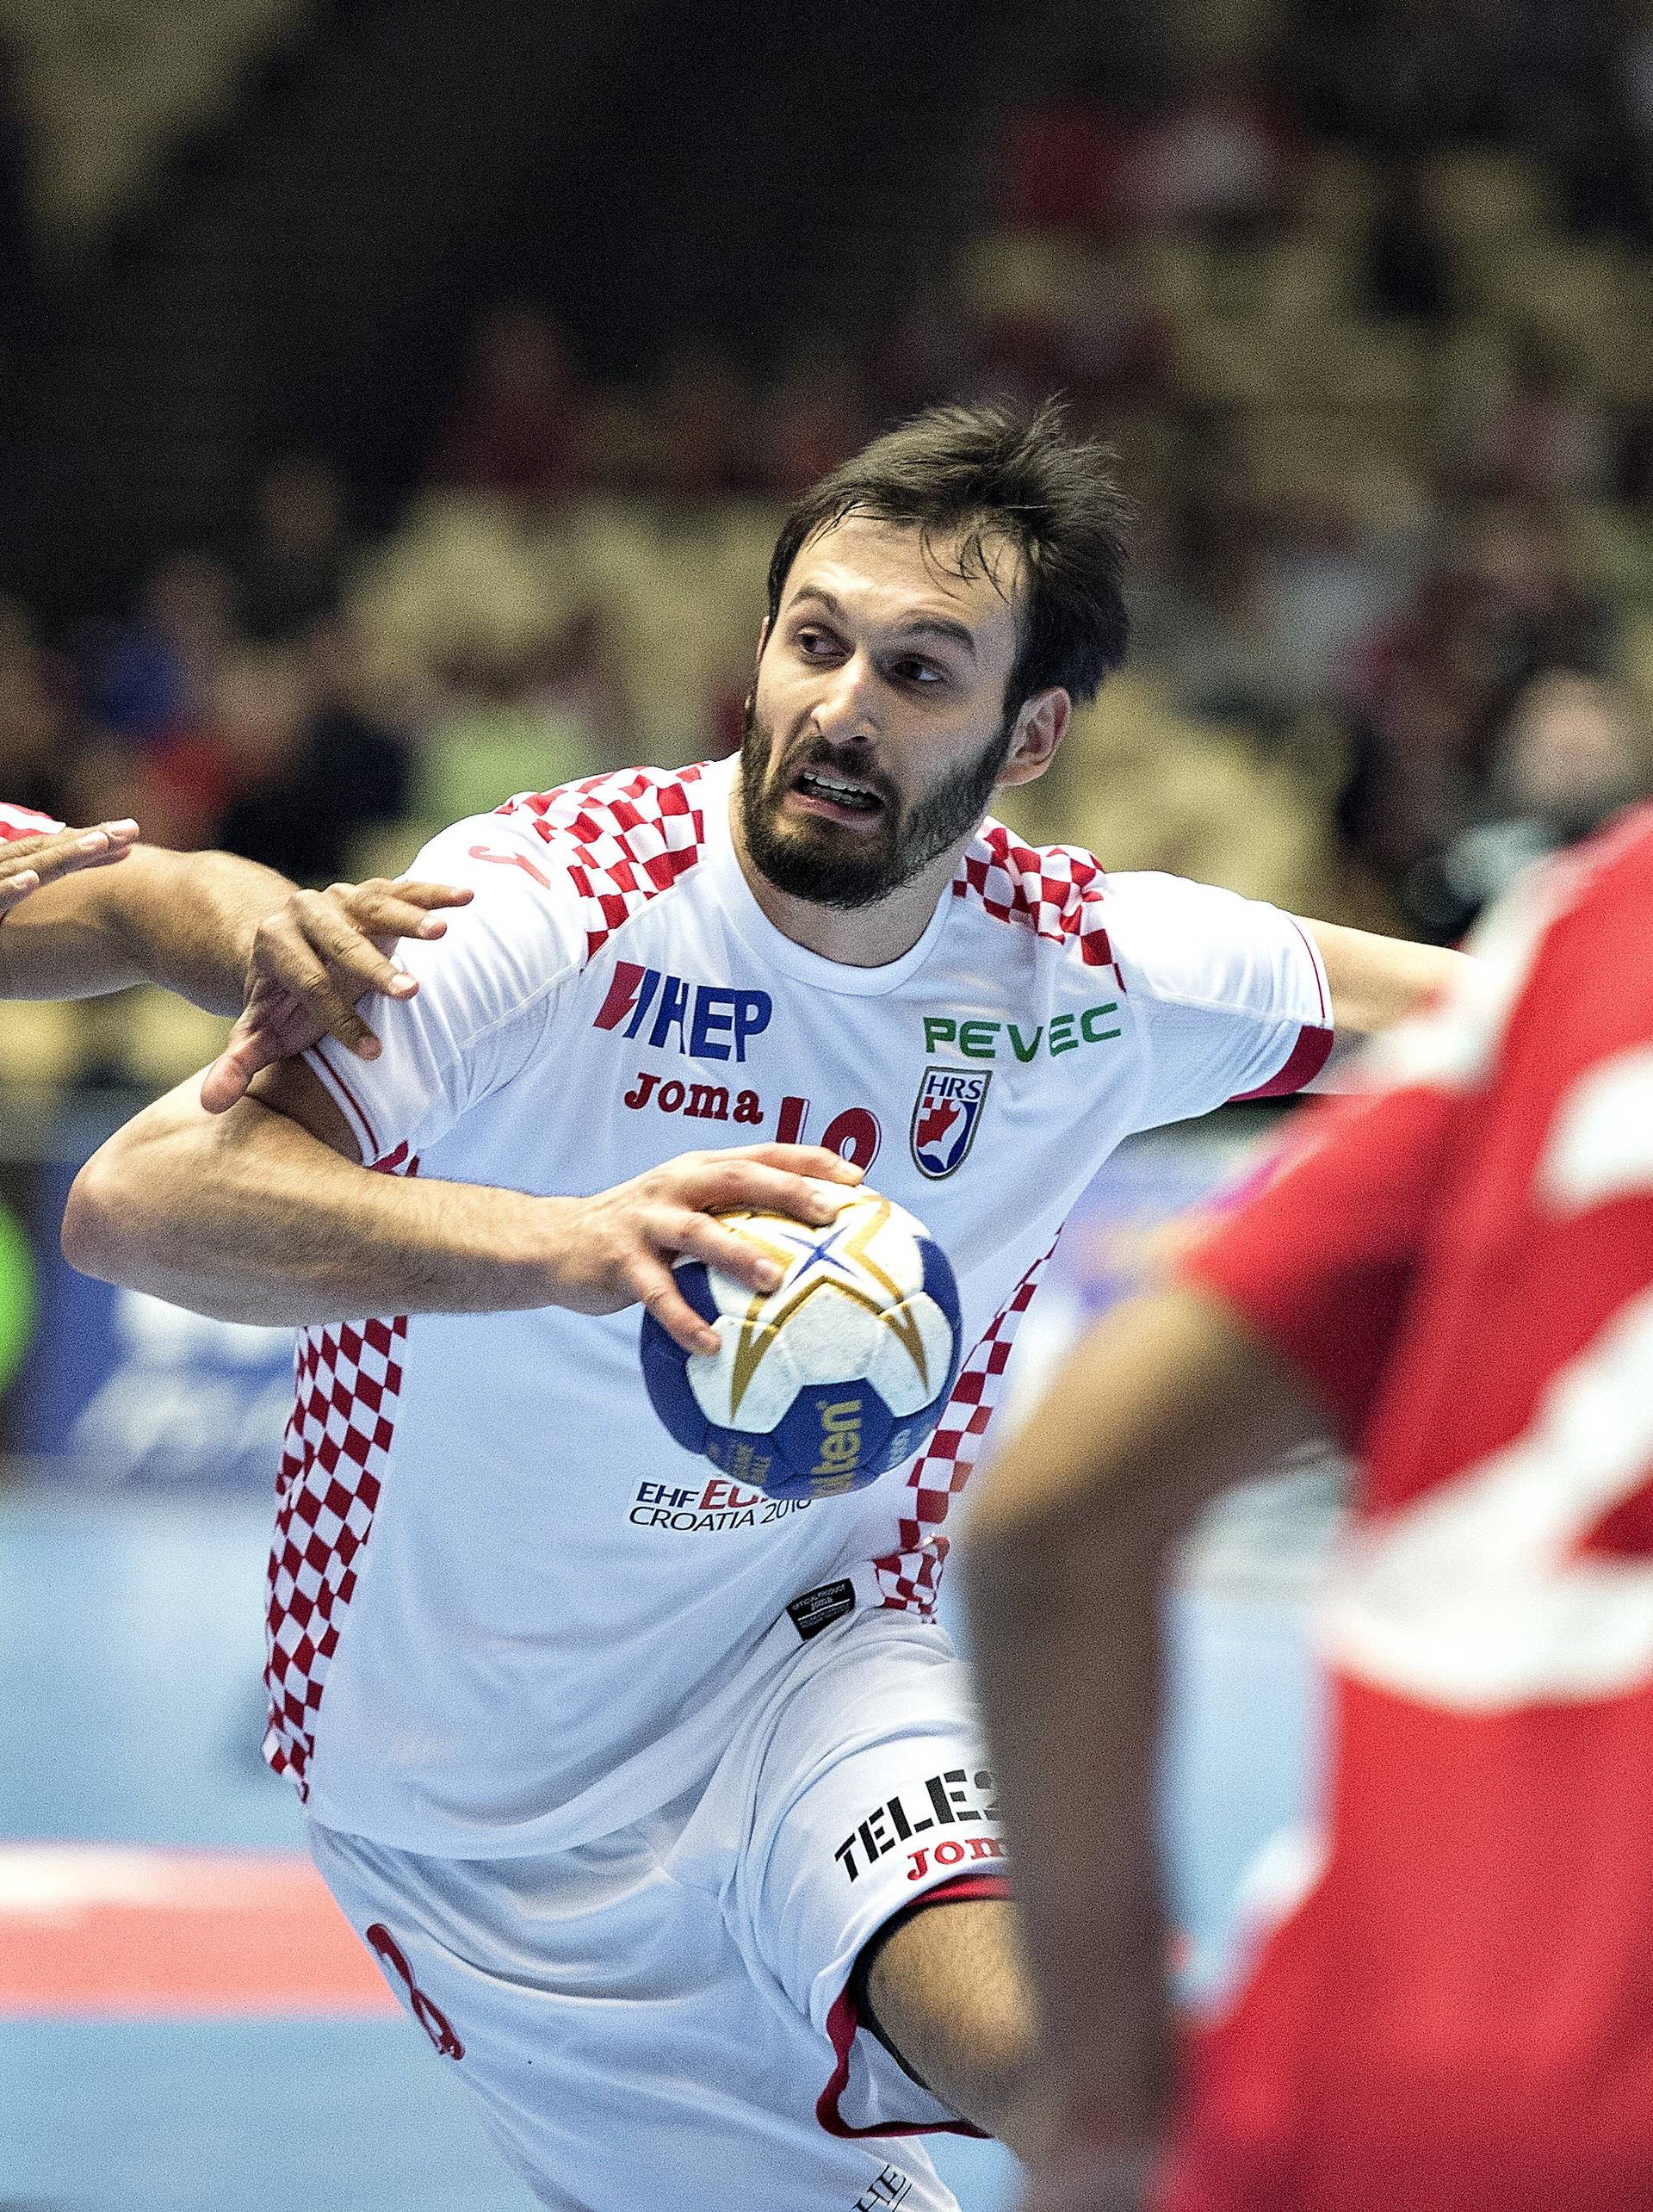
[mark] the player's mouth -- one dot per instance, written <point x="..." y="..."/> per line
<point x="832" y="796"/>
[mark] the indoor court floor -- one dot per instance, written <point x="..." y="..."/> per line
<point x="186" y="2025"/>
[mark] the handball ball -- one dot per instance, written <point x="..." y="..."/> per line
<point x="834" y="1376"/>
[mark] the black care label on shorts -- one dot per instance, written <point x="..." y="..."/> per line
<point x="817" y="1609"/>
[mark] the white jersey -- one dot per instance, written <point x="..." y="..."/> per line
<point x="509" y="1614"/>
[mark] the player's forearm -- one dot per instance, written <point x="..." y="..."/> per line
<point x="184" y="920"/>
<point x="1062" y="1561"/>
<point x="1066" y="1555"/>
<point x="187" y="921"/>
<point x="246" y="1217"/>
<point x="1378" y="981"/>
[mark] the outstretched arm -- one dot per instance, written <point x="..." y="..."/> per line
<point x="185" y="919"/>
<point x="230" y="935"/>
<point x="264" y="1214"/>
<point x="1378" y="981"/>
<point x="1065" y="1555"/>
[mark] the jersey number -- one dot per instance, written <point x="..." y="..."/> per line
<point x="854" y="1133"/>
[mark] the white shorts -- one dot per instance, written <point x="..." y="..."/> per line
<point x="666" y="2018"/>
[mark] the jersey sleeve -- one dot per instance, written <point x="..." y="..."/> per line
<point x="1320" y="1262"/>
<point x="1232" y="993"/>
<point x="23" y="822"/>
<point x="488" y="990"/>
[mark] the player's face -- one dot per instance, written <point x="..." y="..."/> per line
<point x="877" y="729"/>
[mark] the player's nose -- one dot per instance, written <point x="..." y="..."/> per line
<point x="844" y="706"/>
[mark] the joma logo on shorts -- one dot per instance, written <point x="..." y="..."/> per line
<point x="949" y="1798"/>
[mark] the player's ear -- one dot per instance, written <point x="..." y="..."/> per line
<point x="762" y="640"/>
<point x="1040" y="728"/>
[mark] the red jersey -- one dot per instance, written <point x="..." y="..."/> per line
<point x="17" y="822"/>
<point x="1457" y="2016"/>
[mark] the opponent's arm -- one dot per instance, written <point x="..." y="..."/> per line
<point x="1378" y="981"/>
<point x="230" y="935"/>
<point x="185" y="919"/>
<point x="1065" y="1557"/>
<point x="26" y="864"/>
<point x="264" y="1214"/>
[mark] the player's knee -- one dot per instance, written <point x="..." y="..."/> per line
<point x="994" y="2070"/>
<point x="949" y="1994"/>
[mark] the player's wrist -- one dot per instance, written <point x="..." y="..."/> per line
<point x="542" y="1251"/>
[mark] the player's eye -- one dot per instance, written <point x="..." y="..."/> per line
<point x="816" y="644"/>
<point x="922" y="675"/>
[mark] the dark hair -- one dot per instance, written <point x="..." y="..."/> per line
<point x="972" y="473"/>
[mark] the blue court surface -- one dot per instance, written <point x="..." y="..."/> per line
<point x="130" y="1715"/>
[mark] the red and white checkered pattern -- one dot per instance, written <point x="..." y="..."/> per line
<point x="910" y="1578"/>
<point x="628" y="837"/>
<point x="23" y="822"/>
<point x="1056" y="890"/>
<point x="347" y="1379"/>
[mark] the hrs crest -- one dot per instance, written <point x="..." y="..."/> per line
<point x="945" y="1115"/>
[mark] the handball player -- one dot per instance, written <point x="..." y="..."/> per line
<point x="660" y="1802"/>
<point x="1447" y="2008"/>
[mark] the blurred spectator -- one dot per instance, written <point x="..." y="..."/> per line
<point x="18" y="270"/>
<point x="1406" y="272"/>
<point x="496" y="733"/>
<point x="579" y="684"/>
<point x="309" y="767"/>
<point x="291" y="568"/>
<point x="1635" y="68"/>
<point x="519" y="428"/>
<point x="150" y="678"/>
<point x="1537" y="428"/>
<point x="1397" y="77"/>
<point x="812" y="421"/>
<point x="1573" y="753"/>
<point x="702" y="424"/>
<point x="1438" y="684"/>
<point x="37" y="714"/>
<point x="1217" y="157"/>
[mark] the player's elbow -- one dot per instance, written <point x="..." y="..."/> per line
<point x="112" y="1217"/>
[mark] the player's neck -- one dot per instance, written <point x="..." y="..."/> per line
<point x="858" y="936"/>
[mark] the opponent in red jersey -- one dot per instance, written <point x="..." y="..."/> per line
<point x="1453" y="2016"/>
<point x="231" y="936"/>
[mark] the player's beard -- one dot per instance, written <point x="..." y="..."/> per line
<point x="831" y="866"/>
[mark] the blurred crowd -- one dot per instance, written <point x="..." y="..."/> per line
<point x="1360" y="294"/>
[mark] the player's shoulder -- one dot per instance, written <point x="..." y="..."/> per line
<point x="592" y="854"/>
<point x="24" y="821"/>
<point x="1614" y="868"/>
<point x="649" y="823"/>
<point x="1063" y="896"/>
<point x="1054" y="895"/>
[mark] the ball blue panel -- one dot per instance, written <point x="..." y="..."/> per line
<point x="942" y="1284"/>
<point x="666" y="1362"/>
<point x="830" y="1442"/>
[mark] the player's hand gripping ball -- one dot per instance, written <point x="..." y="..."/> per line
<point x="834" y="1376"/>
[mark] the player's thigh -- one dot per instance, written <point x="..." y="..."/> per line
<point x="870" y="1794"/>
<point x="607" y="2022"/>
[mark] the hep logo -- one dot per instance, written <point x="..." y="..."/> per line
<point x="434" y="2021"/>
<point x="710" y="1021"/>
